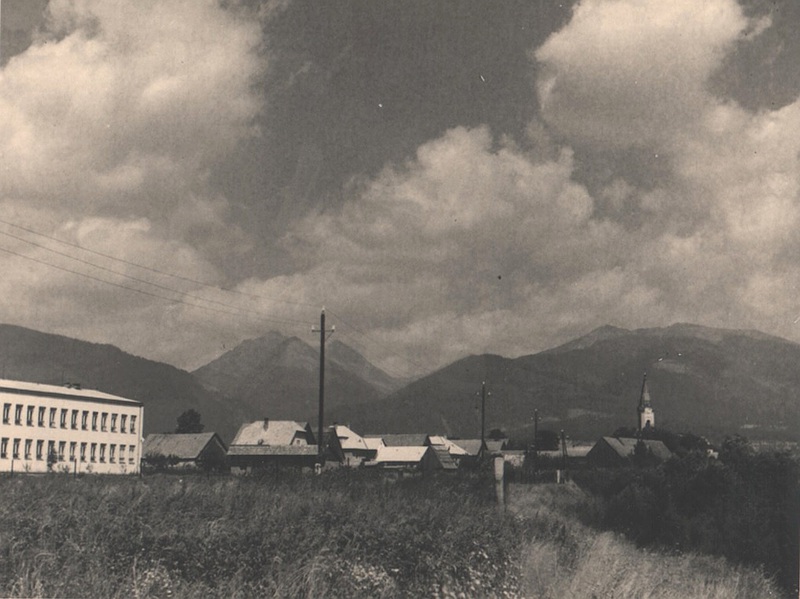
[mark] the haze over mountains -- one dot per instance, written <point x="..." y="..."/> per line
<point x="709" y="381"/>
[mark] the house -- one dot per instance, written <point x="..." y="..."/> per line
<point x="618" y="451"/>
<point x="407" y="458"/>
<point x="266" y="444"/>
<point x="48" y="428"/>
<point x="186" y="451"/>
<point x="350" y="448"/>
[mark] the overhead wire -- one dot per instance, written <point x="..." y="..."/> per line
<point x="238" y="309"/>
<point x="132" y="278"/>
<point x="140" y="291"/>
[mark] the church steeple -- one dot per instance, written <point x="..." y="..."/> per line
<point x="646" y="415"/>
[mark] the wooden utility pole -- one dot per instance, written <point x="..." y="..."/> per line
<point x="483" y="414"/>
<point x="322" y="338"/>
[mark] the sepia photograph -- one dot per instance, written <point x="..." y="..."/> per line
<point x="400" y="299"/>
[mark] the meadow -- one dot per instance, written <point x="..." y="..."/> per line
<point x="341" y="534"/>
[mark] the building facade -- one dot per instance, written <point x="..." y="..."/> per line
<point x="47" y="428"/>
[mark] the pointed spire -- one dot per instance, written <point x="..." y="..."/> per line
<point x="644" y="398"/>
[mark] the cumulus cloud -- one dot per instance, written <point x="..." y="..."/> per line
<point x="109" y="124"/>
<point x="476" y="245"/>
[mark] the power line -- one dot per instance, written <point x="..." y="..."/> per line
<point x="141" y="291"/>
<point x="130" y="277"/>
<point x="359" y="331"/>
<point x="154" y="270"/>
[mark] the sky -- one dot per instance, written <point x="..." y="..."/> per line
<point x="444" y="178"/>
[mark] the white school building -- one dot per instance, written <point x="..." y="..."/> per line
<point x="68" y="429"/>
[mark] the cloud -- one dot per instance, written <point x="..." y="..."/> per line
<point x="629" y="72"/>
<point x="476" y="245"/>
<point x="110" y="123"/>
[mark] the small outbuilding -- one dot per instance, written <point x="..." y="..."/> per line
<point x="185" y="451"/>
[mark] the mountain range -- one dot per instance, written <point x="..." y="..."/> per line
<point x="713" y="382"/>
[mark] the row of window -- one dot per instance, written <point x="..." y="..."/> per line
<point x="57" y="451"/>
<point x="55" y="421"/>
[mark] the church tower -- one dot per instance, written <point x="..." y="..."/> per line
<point x="647" y="418"/>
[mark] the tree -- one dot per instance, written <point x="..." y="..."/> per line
<point x="189" y="422"/>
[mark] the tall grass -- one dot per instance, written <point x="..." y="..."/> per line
<point x="343" y="534"/>
<point x="339" y="535"/>
<point x="564" y="558"/>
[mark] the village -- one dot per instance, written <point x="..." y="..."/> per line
<point x="47" y="428"/>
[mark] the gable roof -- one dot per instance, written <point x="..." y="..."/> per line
<point x="451" y="447"/>
<point x="349" y="440"/>
<point x="444" y="458"/>
<point x="186" y="446"/>
<point x="403" y="454"/>
<point x="373" y="443"/>
<point x="404" y="440"/>
<point x="270" y="432"/>
<point x="472" y="447"/>
<point x="624" y="447"/>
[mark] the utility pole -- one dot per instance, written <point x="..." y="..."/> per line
<point x="483" y="414"/>
<point x="535" y="438"/>
<point x="322" y="338"/>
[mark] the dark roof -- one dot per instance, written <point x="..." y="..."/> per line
<point x="272" y="450"/>
<point x="186" y="446"/>
<point x="625" y="446"/>
<point x="405" y="440"/>
<point x="471" y="446"/>
<point x="495" y="446"/>
<point x="443" y="456"/>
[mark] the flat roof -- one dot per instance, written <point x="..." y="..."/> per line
<point x="63" y="392"/>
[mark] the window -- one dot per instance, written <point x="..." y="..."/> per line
<point x="72" y="447"/>
<point x="113" y="423"/>
<point x="15" y="450"/>
<point x="111" y="453"/>
<point x="102" y="452"/>
<point x="84" y="420"/>
<point x="6" y="412"/>
<point x="94" y="421"/>
<point x="64" y="413"/>
<point x="94" y="452"/>
<point x="42" y="411"/>
<point x="52" y="417"/>
<point x="29" y="416"/>
<point x="40" y="450"/>
<point x="18" y="414"/>
<point x="74" y="419"/>
<point x="83" y="452"/>
<point x="51" y="451"/>
<point x="28" y="448"/>
<point x="123" y="421"/>
<point x="133" y="424"/>
<point x="4" y="447"/>
<point x="62" y="448"/>
<point x="104" y="422"/>
<point x="121" y="454"/>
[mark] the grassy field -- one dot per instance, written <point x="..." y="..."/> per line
<point x="343" y="534"/>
